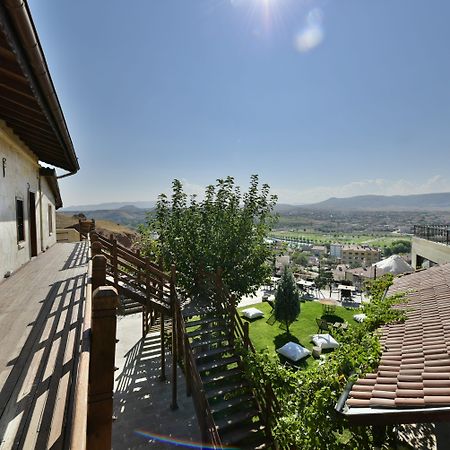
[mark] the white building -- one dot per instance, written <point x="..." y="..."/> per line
<point x="32" y="130"/>
<point x="281" y="262"/>
<point x="336" y="251"/>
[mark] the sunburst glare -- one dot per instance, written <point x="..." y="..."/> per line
<point x="263" y="15"/>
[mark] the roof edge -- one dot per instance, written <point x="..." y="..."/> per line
<point x="25" y="32"/>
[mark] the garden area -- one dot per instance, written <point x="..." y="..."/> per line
<point x="267" y="334"/>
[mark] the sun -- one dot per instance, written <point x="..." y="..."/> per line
<point x="263" y="16"/>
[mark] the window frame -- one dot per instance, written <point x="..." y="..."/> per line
<point x="50" y="218"/>
<point x="20" y="220"/>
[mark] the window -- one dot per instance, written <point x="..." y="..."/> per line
<point x="20" y="220"/>
<point x="50" y="220"/>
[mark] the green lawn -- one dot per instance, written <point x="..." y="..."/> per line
<point x="374" y="239"/>
<point x="264" y="335"/>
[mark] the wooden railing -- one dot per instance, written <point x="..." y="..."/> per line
<point x="93" y="403"/>
<point x="142" y="279"/>
<point x="194" y="386"/>
<point x="79" y="422"/>
<point x="264" y="395"/>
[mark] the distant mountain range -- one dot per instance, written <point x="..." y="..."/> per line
<point x="134" y="213"/>
<point x="110" y="206"/>
<point x="418" y="202"/>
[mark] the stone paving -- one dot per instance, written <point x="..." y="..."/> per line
<point x="141" y="401"/>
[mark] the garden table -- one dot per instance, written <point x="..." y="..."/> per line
<point x="328" y="305"/>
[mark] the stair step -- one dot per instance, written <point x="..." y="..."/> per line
<point x="213" y="352"/>
<point x="247" y="432"/>
<point x="202" y="331"/>
<point x="215" y="340"/>
<point x="226" y="389"/>
<point x="222" y="375"/>
<point x="234" y="419"/>
<point x="217" y="363"/>
<point x="128" y="311"/>
<point x="205" y="320"/>
<point x="231" y="403"/>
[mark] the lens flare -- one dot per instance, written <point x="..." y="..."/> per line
<point x="178" y="442"/>
<point x="312" y="33"/>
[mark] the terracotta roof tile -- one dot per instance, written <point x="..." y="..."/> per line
<point x="414" y="369"/>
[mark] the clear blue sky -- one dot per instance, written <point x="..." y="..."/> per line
<point x="320" y="98"/>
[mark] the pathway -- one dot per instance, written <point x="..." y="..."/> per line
<point x="141" y="401"/>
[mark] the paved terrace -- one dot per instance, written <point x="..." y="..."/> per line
<point x="144" y="419"/>
<point x="40" y="317"/>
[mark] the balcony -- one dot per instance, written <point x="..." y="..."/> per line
<point x="434" y="233"/>
<point x="430" y="245"/>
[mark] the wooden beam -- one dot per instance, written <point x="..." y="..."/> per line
<point x="4" y="97"/>
<point x="27" y="130"/>
<point x="11" y="75"/>
<point x="26" y="124"/>
<point x="6" y="110"/>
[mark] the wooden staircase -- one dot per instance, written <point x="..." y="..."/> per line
<point x="142" y="284"/>
<point x="231" y="411"/>
<point x="236" y="414"/>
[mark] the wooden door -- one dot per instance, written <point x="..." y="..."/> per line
<point x="32" y="222"/>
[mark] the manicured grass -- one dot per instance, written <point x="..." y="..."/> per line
<point x="274" y="336"/>
<point x="374" y="239"/>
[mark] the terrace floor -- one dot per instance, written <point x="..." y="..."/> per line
<point x="141" y="401"/>
<point x="41" y="308"/>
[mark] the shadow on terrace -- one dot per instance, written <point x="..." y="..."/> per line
<point x="41" y="308"/>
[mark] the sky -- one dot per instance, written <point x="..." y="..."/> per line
<point x="320" y="98"/>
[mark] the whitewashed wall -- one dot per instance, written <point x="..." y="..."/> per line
<point x="21" y="177"/>
<point x="47" y="198"/>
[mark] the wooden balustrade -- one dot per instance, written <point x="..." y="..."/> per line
<point x="263" y="392"/>
<point x="105" y="301"/>
<point x="92" y="416"/>
<point x="194" y="386"/>
<point x="80" y="411"/>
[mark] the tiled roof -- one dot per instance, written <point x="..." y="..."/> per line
<point x="414" y="370"/>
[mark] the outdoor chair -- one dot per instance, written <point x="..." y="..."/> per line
<point x="323" y="325"/>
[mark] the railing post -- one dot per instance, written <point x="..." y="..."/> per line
<point x="246" y="335"/>
<point x="101" y="369"/>
<point x="175" y="310"/>
<point x="187" y="367"/>
<point x="231" y="313"/>
<point x="98" y="271"/>
<point x="162" y="377"/>
<point x="96" y="248"/>
<point x="115" y="262"/>
<point x="145" y="309"/>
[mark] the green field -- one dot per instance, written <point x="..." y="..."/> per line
<point x="374" y="240"/>
<point x="274" y="336"/>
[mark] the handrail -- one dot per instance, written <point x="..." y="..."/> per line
<point x="264" y="394"/>
<point x="132" y="271"/>
<point x="133" y="257"/>
<point x="435" y="233"/>
<point x="79" y="418"/>
<point x="195" y="384"/>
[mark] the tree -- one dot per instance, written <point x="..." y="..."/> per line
<point x="287" y="299"/>
<point x="400" y="246"/>
<point x="226" y="231"/>
<point x="324" y="279"/>
<point x="300" y="258"/>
